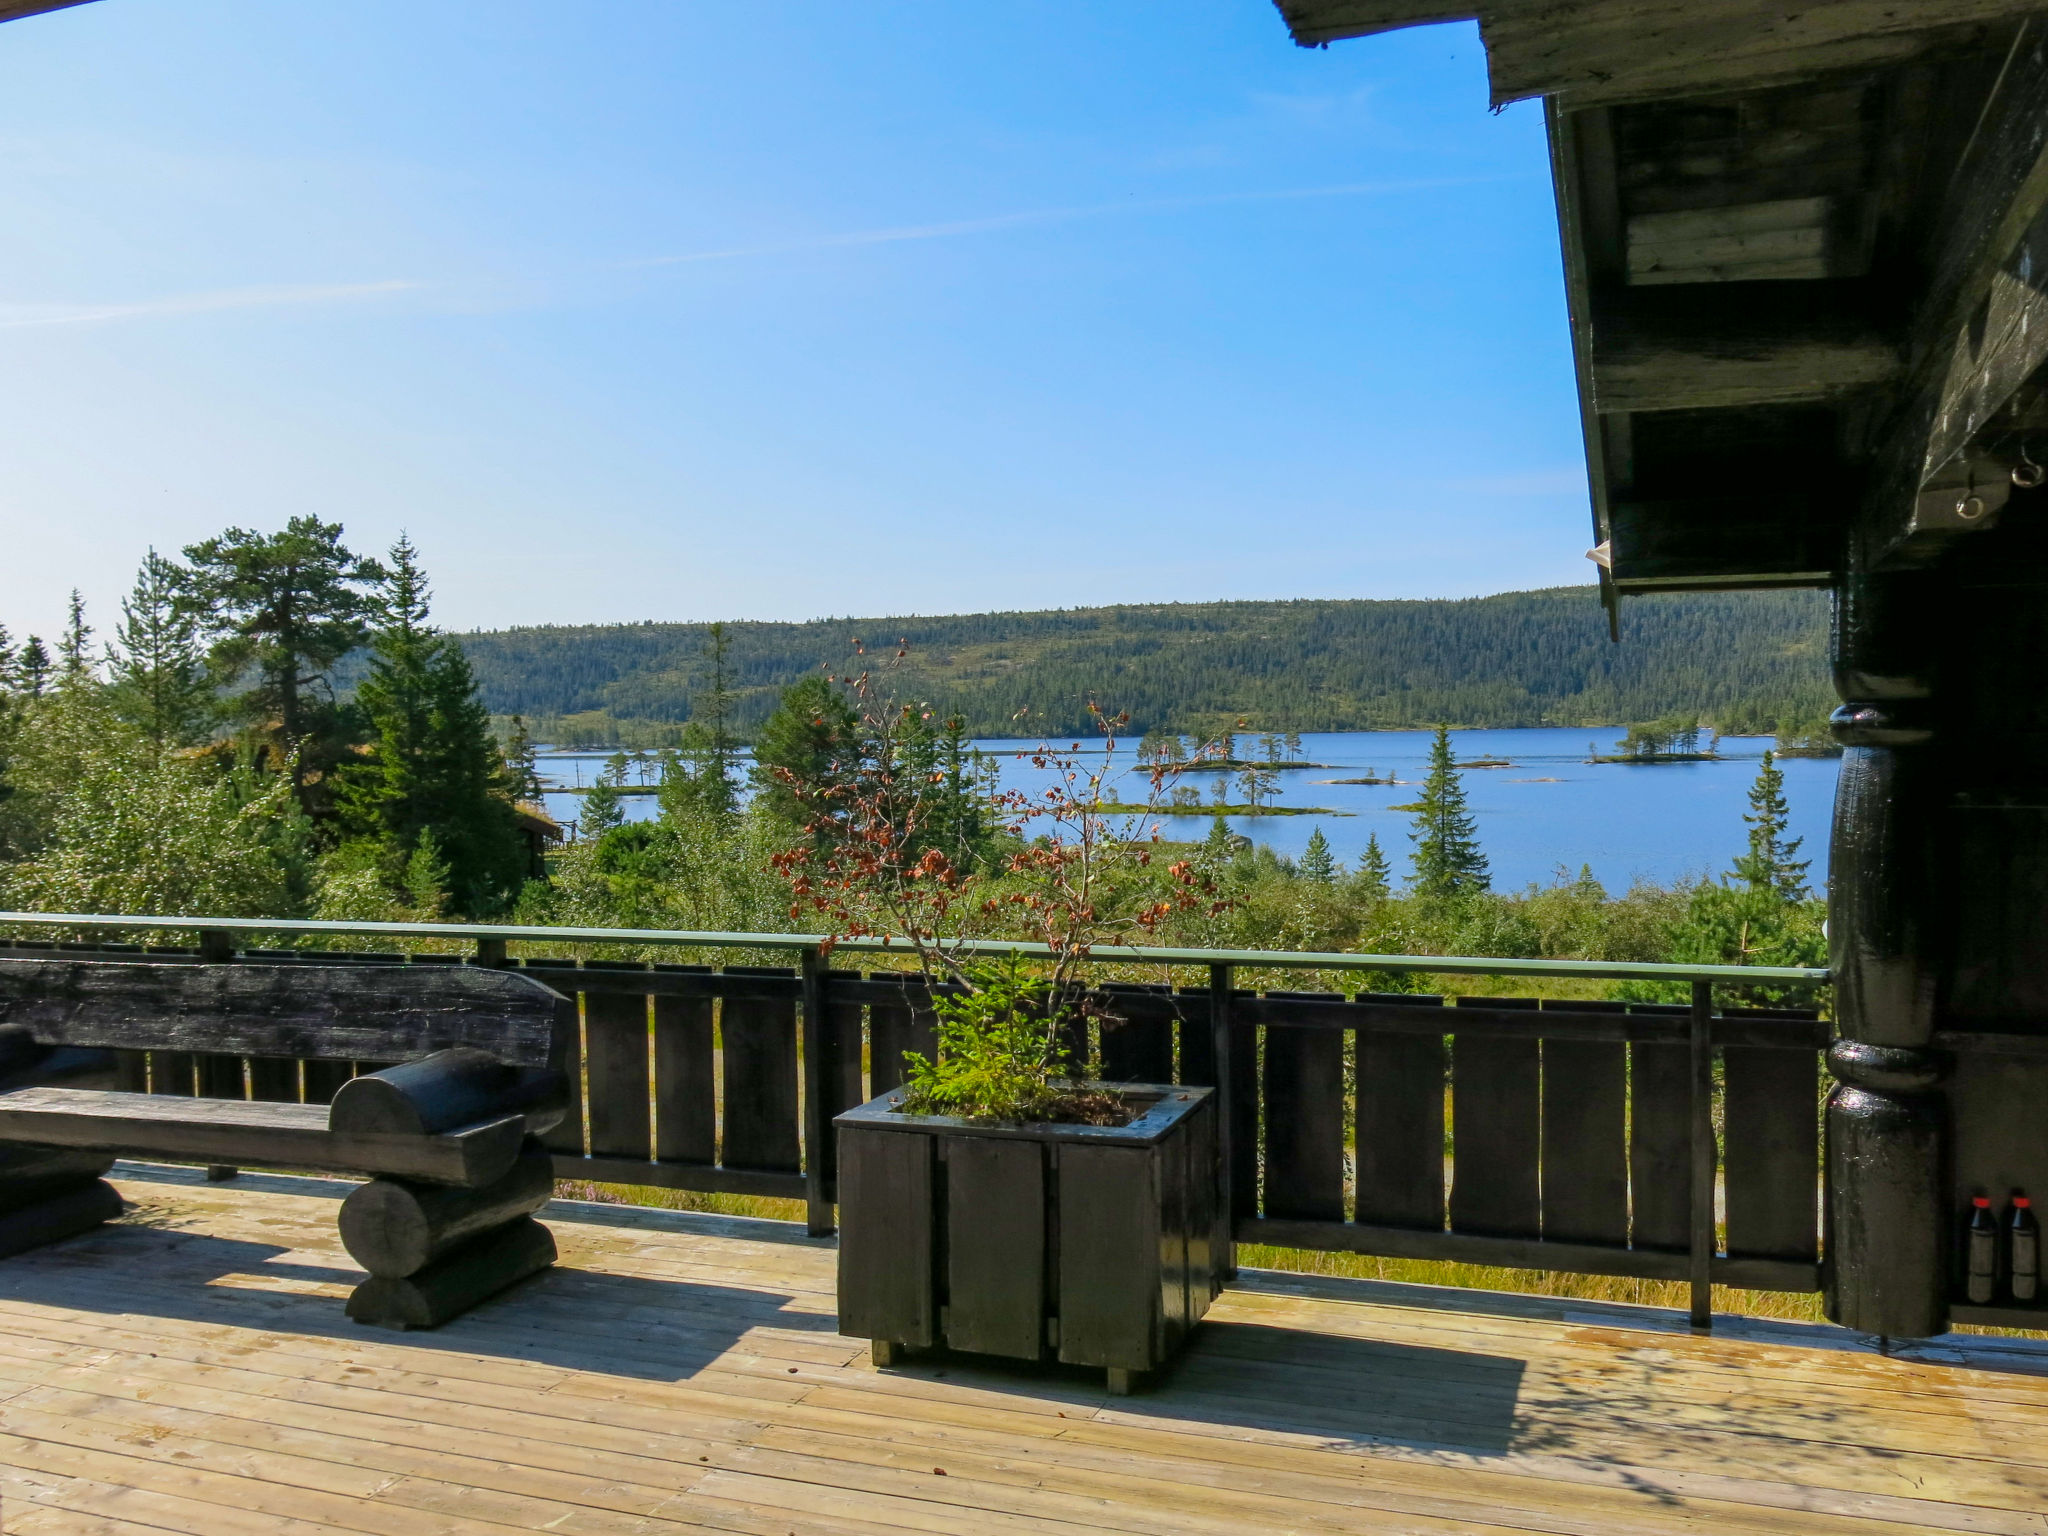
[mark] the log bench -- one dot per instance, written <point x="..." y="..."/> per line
<point x="447" y="1134"/>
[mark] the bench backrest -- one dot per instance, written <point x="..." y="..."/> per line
<point x="312" y="1012"/>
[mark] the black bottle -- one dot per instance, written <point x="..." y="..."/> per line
<point x="2023" y="1250"/>
<point x="1981" y="1246"/>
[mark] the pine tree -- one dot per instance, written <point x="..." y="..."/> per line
<point x="522" y="764"/>
<point x="1771" y="863"/>
<point x="284" y="608"/>
<point x="1448" y="863"/>
<point x="160" y="682"/>
<point x="1375" y="878"/>
<point x="74" y="650"/>
<point x="1316" y="863"/>
<point x="431" y="773"/>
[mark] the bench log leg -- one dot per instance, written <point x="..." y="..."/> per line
<point x="456" y="1281"/>
<point x="51" y="1193"/>
<point x="434" y="1251"/>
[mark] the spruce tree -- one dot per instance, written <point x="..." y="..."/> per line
<point x="284" y="608"/>
<point x="603" y="809"/>
<point x="709" y="747"/>
<point x="34" y="667"/>
<point x="431" y="775"/>
<point x="1448" y="863"/>
<point x="522" y="763"/>
<point x="1375" y="877"/>
<point x="1771" y="864"/>
<point x="1316" y="863"/>
<point x="160" y="683"/>
<point x="74" y="650"/>
<point x="807" y="747"/>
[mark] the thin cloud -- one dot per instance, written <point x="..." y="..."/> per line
<point x="893" y="236"/>
<point x="17" y="316"/>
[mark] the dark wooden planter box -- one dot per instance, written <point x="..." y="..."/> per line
<point x="1095" y="1245"/>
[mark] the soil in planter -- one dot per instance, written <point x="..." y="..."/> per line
<point x="1081" y="1106"/>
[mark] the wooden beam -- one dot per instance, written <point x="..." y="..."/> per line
<point x="1314" y="23"/>
<point x="1593" y="52"/>
<point x="1979" y="342"/>
<point x="1609" y="51"/>
<point x="1696" y="347"/>
<point x="14" y="10"/>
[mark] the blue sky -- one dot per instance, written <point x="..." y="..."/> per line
<point x="659" y="309"/>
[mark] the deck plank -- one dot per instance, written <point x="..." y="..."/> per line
<point x="188" y="1369"/>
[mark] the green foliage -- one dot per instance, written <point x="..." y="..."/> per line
<point x="1761" y="913"/>
<point x="284" y="609"/>
<point x="1448" y="863"/>
<point x="603" y="809"/>
<point x="1000" y="1055"/>
<point x="1674" y="735"/>
<point x="811" y="744"/>
<point x="160" y="679"/>
<point x="107" y="824"/>
<point x="430" y="782"/>
<point x="1744" y="660"/>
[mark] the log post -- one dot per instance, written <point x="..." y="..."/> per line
<point x="1885" y="1215"/>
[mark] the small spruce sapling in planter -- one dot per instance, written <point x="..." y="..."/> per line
<point x="1004" y="1200"/>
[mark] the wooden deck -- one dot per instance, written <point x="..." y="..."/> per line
<point x="189" y="1370"/>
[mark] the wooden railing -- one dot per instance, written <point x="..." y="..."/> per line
<point x="1573" y="1136"/>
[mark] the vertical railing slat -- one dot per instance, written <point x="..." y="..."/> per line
<point x="759" y="1037"/>
<point x="1659" y="1143"/>
<point x="1496" y="1128"/>
<point x="1400" y="1120"/>
<point x="1770" y="1168"/>
<point x="685" y="1079"/>
<point x="1303" y="1090"/>
<point x="1585" y="1138"/>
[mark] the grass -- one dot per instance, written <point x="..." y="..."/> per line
<point x="1674" y="1294"/>
<point x="1791" y="1306"/>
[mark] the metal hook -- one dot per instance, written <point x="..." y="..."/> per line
<point x="2028" y="474"/>
<point x="1970" y="506"/>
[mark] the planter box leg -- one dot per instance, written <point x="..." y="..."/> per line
<point x="1123" y="1383"/>
<point x="885" y="1353"/>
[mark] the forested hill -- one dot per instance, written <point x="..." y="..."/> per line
<point x="1740" y="660"/>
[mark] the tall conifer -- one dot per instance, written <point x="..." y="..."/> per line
<point x="431" y="777"/>
<point x="1448" y="862"/>
<point x="1771" y="864"/>
<point x="284" y="608"/>
<point x="160" y="678"/>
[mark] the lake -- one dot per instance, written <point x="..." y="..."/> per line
<point x="1549" y="807"/>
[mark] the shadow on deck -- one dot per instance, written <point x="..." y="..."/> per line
<point x="190" y="1369"/>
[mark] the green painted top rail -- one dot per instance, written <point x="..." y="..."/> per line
<point x="1264" y="959"/>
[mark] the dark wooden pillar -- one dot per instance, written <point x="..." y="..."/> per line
<point x="1886" y="1256"/>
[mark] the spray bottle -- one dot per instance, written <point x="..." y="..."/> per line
<point x="1981" y="1242"/>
